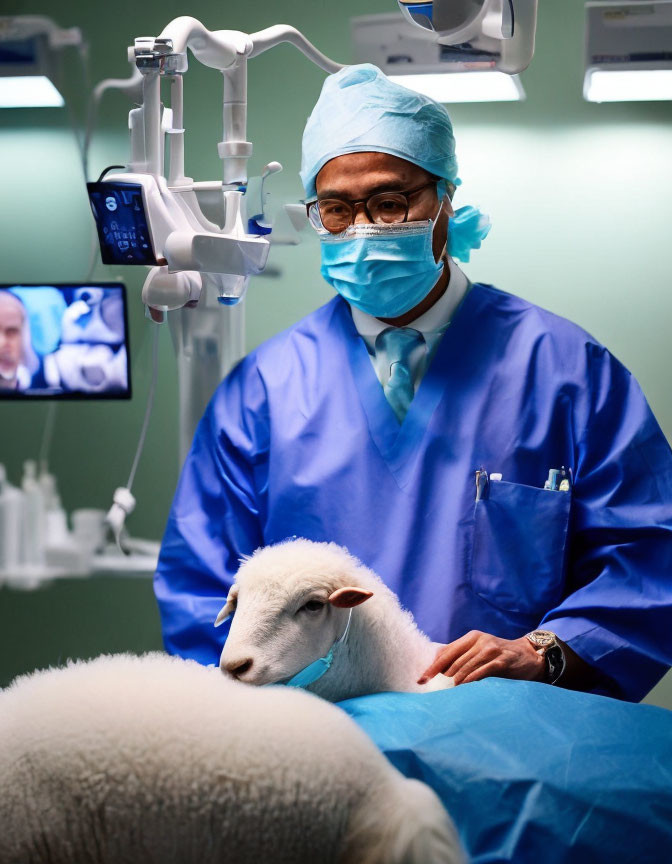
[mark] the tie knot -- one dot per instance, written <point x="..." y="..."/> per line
<point x="398" y="343"/>
<point x="394" y="347"/>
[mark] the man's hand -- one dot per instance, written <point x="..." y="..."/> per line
<point x="479" y="655"/>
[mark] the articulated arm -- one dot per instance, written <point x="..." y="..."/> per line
<point x="271" y="36"/>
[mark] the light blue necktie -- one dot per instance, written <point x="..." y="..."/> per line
<point x="397" y="344"/>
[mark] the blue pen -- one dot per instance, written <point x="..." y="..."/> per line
<point x="552" y="482"/>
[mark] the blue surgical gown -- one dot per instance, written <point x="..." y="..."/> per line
<point x="300" y="440"/>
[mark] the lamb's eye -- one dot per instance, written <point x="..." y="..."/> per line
<point x="312" y="606"/>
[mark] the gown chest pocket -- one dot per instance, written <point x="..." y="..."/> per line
<point x="520" y="536"/>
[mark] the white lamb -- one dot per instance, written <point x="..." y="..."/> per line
<point x="157" y="760"/>
<point x="293" y="602"/>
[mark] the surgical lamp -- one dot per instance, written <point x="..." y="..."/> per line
<point x="452" y="50"/>
<point x="457" y="22"/>
<point x="628" y="51"/>
<point x="27" y="47"/>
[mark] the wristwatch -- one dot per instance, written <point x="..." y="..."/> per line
<point x="546" y="643"/>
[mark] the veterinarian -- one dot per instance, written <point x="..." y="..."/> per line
<point x="497" y="466"/>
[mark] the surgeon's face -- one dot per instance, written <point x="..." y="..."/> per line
<point x="356" y="176"/>
<point x="11" y="324"/>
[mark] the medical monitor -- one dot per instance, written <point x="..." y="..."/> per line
<point x="121" y="220"/>
<point x="64" y="341"/>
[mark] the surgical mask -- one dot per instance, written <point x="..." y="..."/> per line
<point x="315" y="670"/>
<point x="384" y="270"/>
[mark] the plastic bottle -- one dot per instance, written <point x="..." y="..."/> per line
<point x="55" y="519"/>
<point x="56" y="525"/>
<point x="11" y="518"/>
<point x="34" y="516"/>
<point x="48" y="486"/>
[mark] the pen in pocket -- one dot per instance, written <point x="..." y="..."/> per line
<point x="481" y="483"/>
<point x="559" y="480"/>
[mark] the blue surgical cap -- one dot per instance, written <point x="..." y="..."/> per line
<point x="360" y="109"/>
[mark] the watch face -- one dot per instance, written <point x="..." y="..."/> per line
<point x="542" y="638"/>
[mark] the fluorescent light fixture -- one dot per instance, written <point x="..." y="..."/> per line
<point x="628" y="51"/>
<point x="29" y="91"/>
<point x="28" y="44"/>
<point x="628" y="85"/>
<point x="489" y="86"/>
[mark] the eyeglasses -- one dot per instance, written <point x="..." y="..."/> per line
<point x="384" y="208"/>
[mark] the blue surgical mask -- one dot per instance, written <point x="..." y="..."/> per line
<point x="384" y="270"/>
<point x="315" y="670"/>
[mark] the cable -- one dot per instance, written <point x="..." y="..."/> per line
<point x="47" y="435"/>
<point x="82" y="143"/>
<point x="124" y="502"/>
<point x="93" y="257"/>
<point x="131" y="86"/>
<point x="83" y="55"/>
<point x="109" y="168"/>
<point x="148" y="410"/>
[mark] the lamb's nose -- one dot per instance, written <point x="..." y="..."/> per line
<point x="238" y="668"/>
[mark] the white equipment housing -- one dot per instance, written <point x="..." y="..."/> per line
<point x="471" y="35"/>
<point x="220" y="256"/>
<point x="630" y="45"/>
<point x="199" y="231"/>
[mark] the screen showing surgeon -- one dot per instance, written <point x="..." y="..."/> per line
<point x="64" y="341"/>
<point x="121" y="222"/>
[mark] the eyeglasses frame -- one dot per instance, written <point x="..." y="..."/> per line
<point x="365" y="202"/>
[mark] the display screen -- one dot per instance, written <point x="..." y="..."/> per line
<point x="122" y="223"/>
<point x="64" y="342"/>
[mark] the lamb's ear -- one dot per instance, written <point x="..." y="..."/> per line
<point x="227" y="610"/>
<point x="346" y="598"/>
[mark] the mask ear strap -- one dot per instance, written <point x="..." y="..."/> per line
<point x="442" y="192"/>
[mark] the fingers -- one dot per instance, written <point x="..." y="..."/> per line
<point x="486" y="650"/>
<point x="448" y="654"/>
<point x="468" y="662"/>
<point x="494" y="667"/>
<point x="479" y="655"/>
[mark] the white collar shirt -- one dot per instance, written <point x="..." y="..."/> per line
<point x="432" y="324"/>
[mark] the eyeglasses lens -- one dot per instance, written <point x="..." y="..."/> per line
<point x="383" y="208"/>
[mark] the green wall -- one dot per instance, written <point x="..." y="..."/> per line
<point x="578" y="194"/>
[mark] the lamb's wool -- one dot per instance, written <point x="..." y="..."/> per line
<point x="384" y="651"/>
<point x="125" y="759"/>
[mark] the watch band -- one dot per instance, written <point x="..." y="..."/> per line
<point x="555" y="663"/>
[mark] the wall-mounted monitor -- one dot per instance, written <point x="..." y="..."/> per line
<point x="64" y="341"/>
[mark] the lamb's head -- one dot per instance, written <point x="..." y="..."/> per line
<point x="290" y="603"/>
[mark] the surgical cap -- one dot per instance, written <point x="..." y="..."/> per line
<point x="360" y="109"/>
